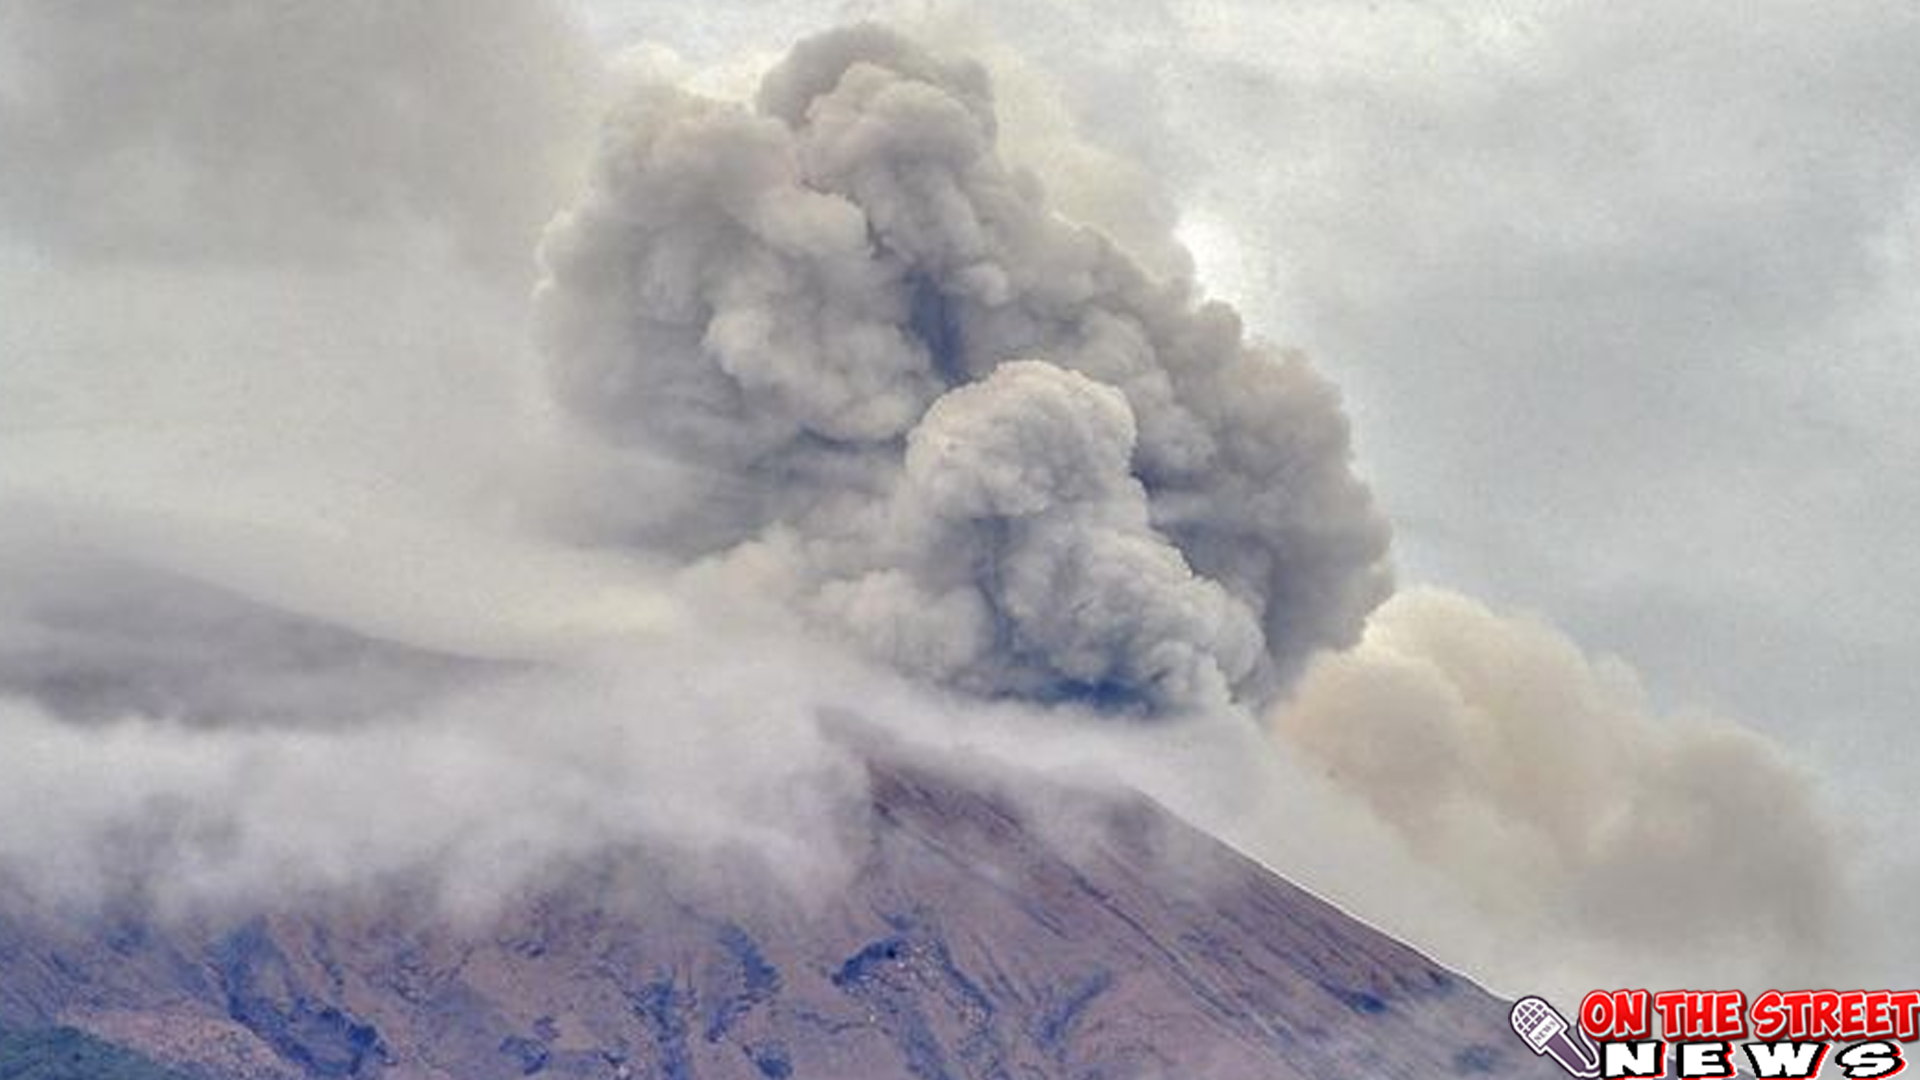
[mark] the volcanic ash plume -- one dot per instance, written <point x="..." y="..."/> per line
<point x="1541" y="780"/>
<point x="265" y="629"/>
<point x="870" y="369"/>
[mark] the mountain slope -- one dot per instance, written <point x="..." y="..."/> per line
<point x="66" y="1054"/>
<point x="970" y="942"/>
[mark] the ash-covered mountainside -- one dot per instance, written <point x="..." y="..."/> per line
<point x="969" y="943"/>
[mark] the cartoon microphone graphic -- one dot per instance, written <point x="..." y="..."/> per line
<point x="1547" y="1032"/>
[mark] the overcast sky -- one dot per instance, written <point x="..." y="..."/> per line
<point x="1622" y="298"/>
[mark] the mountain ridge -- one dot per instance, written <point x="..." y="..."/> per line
<point x="970" y="940"/>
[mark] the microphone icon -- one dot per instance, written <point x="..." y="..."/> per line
<point x="1547" y="1032"/>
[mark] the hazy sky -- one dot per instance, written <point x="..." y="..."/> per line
<point x="1624" y="301"/>
<point x="1621" y="300"/>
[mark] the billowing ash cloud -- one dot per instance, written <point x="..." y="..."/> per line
<point x="1541" y="779"/>
<point x="975" y="438"/>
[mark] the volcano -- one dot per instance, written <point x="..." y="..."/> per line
<point x="968" y="940"/>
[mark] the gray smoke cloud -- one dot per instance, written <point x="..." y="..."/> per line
<point x="812" y="310"/>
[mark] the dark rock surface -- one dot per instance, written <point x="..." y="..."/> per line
<point x="67" y="1054"/>
<point x="970" y="944"/>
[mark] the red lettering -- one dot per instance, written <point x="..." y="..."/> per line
<point x="1596" y="1014"/>
<point x="1853" y="1023"/>
<point x="1905" y="1004"/>
<point x="1826" y="1013"/>
<point x="1797" y="1004"/>
<point x="1630" y="1019"/>
<point x="1699" y="1014"/>
<point x="1729" y="1014"/>
<point x="1671" y="1005"/>
<point x="1768" y="1015"/>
